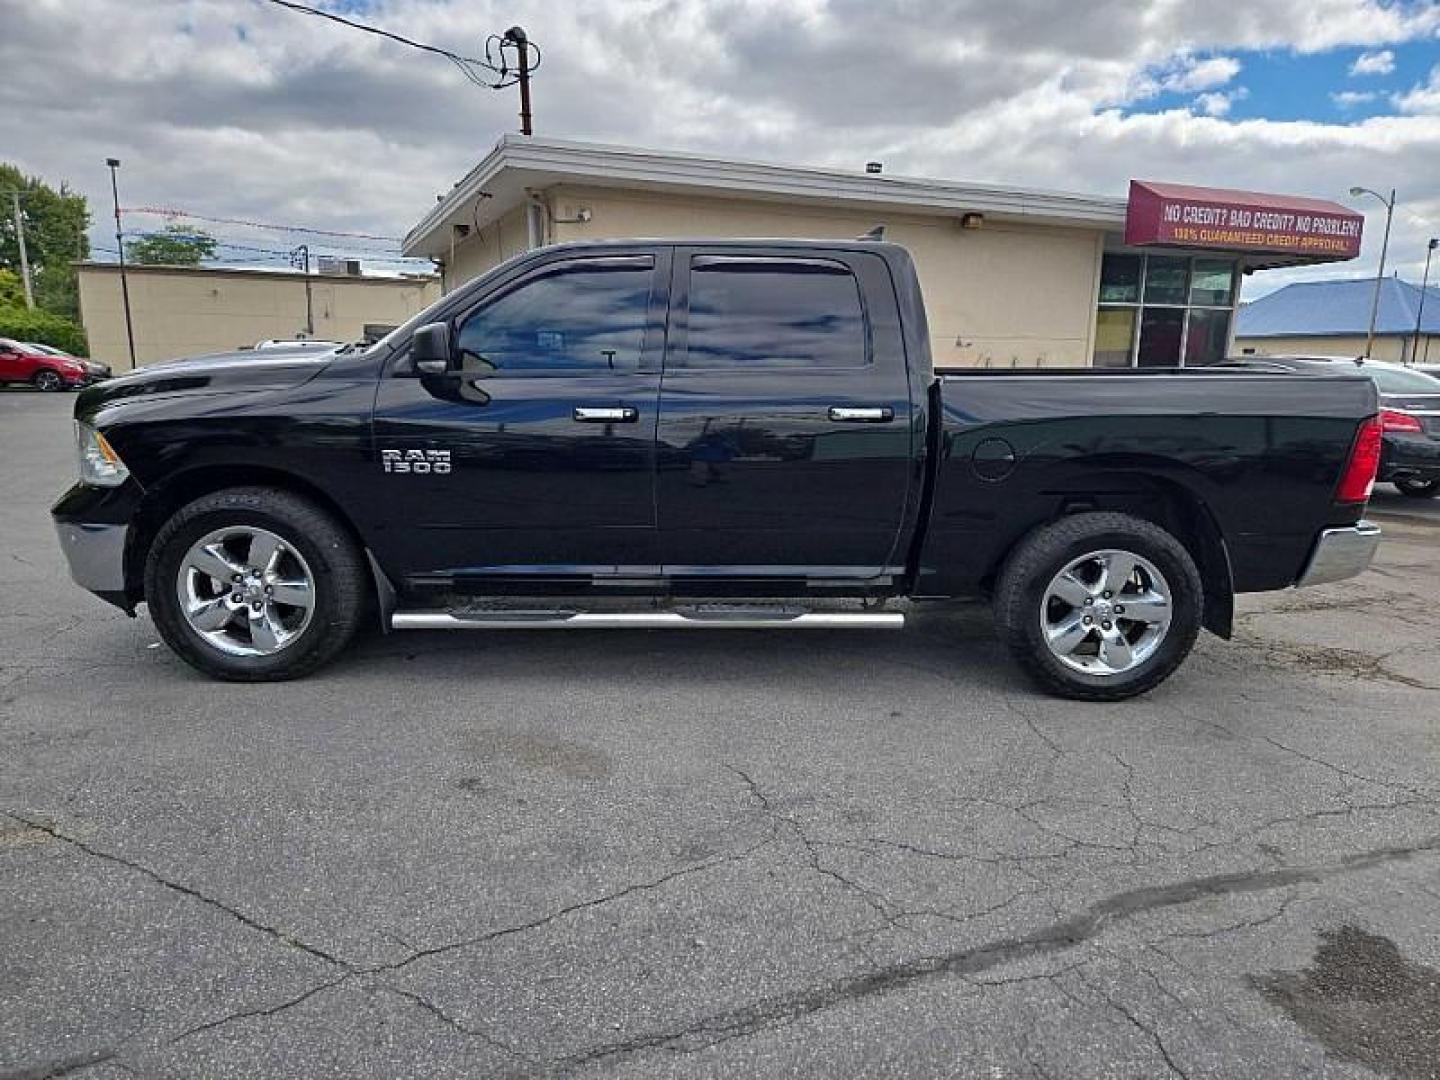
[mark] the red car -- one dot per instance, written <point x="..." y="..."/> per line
<point x="44" y="371"/>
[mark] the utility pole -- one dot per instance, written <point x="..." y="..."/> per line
<point x="114" y="164"/>
<point x="1420" y="308"/>
<point x="1356" y="192"/>
<point x="517" y="37"/>
<point x="24" y="258"/>
<point x="300" y="259"/>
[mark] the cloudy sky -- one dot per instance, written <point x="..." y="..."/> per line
<point x="242" y="109"/>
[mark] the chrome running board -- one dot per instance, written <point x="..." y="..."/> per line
<point x="697" y="619"/>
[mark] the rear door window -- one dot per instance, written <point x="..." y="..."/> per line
<point x="783" y="313"/>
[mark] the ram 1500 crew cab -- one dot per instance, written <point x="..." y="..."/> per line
<point x="707" y="434"/>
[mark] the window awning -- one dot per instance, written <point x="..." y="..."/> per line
<point x="1178" y="215"/>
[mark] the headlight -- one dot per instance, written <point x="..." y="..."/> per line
<point x="99" y="464"/>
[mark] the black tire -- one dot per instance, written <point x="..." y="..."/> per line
<point x="47" y="381"/>
<point x="1035" y="562"/>
<point x="1419" y="489"/>
<point x="341" y="582"/>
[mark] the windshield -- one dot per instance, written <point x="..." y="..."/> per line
<point x="1400" y="381"/>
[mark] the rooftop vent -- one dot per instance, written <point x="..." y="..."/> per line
<point x="334" y="267"/>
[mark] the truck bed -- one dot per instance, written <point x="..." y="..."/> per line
<point x="1252" y="457"/>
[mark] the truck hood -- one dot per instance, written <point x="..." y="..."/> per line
<point x="217" y="373"/>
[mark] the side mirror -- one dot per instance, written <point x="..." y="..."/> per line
<point x="430" y="349"/>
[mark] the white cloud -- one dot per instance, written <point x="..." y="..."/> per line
<point x="1423" y="98"/>
<point x="1218" y="102"/>
<point x="1374" y="63"/>
<point x="1213" y="104"/>
<point x="1202" y="74"/>
<point x="1180" y="73"/>
<point x="1348" y="99"/>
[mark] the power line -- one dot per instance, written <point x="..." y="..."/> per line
<point x="468" y="65"/>
<point x="229" y="245"/>
<point x="164" y="211"/>
<point x="221" y="262"/>
<point x="306" y="10"/>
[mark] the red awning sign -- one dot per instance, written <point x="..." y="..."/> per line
<point x="1177" y="215"/>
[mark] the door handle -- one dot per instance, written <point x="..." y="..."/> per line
<point x="844" y="414"/>
<point x="589" y="414"/>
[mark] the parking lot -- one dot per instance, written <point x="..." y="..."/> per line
<point x="729" y="854"/>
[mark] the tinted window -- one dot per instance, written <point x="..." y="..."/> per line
<point x="1205" y="338"/>
<point x="774" y="313"/>
<point x="1160" y="330"/>
<point x="576" y="317"/>
<point x="1396" y="381"/>
<point x="1120" y="279"/>
<point x="1167" y="280"/>
<point x="1213" y="282"/>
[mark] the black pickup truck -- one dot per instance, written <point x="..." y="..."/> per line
<point x="698" y="435"/>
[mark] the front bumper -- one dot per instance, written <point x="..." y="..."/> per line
<point x="96" y="554"/>
<point x="1340" y="554"/>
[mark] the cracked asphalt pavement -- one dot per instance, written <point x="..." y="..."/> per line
<point x="724" y="854"/>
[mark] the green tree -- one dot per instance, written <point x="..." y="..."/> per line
<point x="25" y="324"/>
<point x="56" y="222"/>
<point x="12" y="290"/>
<point x="176" y="246"/>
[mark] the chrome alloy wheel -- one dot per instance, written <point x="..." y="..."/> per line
<point x="245" y="591"/>
<point x="1106" y="612"/>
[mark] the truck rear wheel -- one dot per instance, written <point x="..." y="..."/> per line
<point x="1099" y="606"/>
<point x="255" y="584"/>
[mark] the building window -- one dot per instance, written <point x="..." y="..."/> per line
<point x="1114" y="336"/>
<point x="1205" y="335"/>
<point x="1163" y="310"/>
<point x="1161" y="331"/>
<point x="1120" y="279"/>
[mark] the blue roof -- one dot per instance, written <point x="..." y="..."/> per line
<point x="1339" y="307"/>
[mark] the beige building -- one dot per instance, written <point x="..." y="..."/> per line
<point x="1396" y="349"/>
<point x="187" y="311"/>
<point x="1011" y="277"/>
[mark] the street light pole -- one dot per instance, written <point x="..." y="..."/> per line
<point x="1420" y="307"/>
<point x="1356" y="192"/>
<point x="114" y="164"/>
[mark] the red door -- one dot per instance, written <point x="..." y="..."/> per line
<point x="12" y="366"/>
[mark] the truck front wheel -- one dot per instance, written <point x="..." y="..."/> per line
<point x="1099" y="606"/>
<point x="255" y="584"/>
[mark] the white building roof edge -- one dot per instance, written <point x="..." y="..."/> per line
<point x="559" y="160"/>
